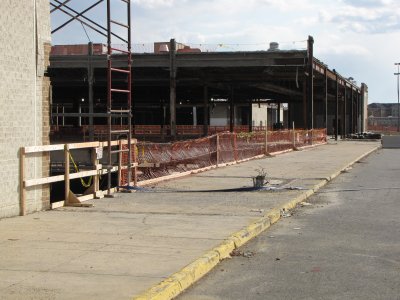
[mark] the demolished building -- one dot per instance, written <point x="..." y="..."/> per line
<point x="177" y="86"/>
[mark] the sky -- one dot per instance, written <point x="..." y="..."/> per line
<point x="357" y="38"/>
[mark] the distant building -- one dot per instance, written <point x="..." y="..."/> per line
<point x="382" y="115"/>
<point x="383" y="110"/>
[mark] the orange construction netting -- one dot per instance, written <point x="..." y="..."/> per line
<point x="162" y="159"/>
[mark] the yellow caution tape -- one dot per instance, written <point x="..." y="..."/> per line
<point x="84" y="184"/>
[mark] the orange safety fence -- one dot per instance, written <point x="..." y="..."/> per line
<point x="280" y="140"/>
<point x="162" y="159"/>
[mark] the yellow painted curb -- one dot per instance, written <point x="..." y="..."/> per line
<point x="243" y="236"/>
<point x="178" y="282"/>
<point x="225" y="248"/>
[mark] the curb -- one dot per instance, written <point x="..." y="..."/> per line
<point x="181" y="280"/>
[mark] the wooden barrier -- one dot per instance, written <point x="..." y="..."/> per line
<point x="70" y="199"/>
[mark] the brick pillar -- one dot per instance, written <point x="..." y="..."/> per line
<point x="46" y="92"/>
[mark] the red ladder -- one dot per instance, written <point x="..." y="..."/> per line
<point x="119" y="61"/>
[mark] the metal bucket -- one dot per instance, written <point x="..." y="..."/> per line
<point x="258" y="181"/>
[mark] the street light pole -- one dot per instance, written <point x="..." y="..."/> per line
<point x="398" y="96"/>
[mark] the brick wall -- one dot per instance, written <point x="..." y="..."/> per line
<point x="24" y="99"/>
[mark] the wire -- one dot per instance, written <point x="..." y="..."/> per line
<point x="84" y="29"/>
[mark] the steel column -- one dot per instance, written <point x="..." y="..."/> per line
<point x="326" y="99"/>
<point x="90" y="91"/>
<point x="345" y="113"/>
<point x="310" y="84"/>
<point x="231" y="111"/>
<point x="206" y="110"/>
<point x="172" y="87"/>
<point x="337" y="108"/>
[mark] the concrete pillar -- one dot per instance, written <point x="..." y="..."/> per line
<point x="194" y="116"/>
<point x="278" y="119"/>
<point x="364" y="104"/>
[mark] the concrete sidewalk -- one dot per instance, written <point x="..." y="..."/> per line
<point x="121" y="247"/>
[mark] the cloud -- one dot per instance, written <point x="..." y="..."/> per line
<point x="156" y="3"/>
<point x="346" y="49"/>
<point x="367" y="3"/>
<point x="364" y="16"/>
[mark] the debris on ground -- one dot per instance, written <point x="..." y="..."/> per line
<point x="365" y="136"/>
<point x="285" y="214"/>
<point x="246" y="254"/>
<point x="295" y="188"/>
<point x="275" y="182"/>
<point x="347" y="170"/>
<point x="302" y="204"/>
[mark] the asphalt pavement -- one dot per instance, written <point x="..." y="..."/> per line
<point x="344" y="243"/>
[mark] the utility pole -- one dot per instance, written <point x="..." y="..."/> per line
<point x="398" y="96"/>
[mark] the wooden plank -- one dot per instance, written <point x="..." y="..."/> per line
<point x="85" y="197"/>
<point x="58" y="178"/>
<point x="96" y="179"/>
<point x="83" y="174"/>
<point x="59" y="147"/>
<point x="47" y="148"/>
<point x="84" y="145"/>
<point x="113" y="143"/>
<point x="22" y="189"/>
<point x="57" y="204"/>
<point x="66" y="174"/>
<point x="74" y="200"/>
<point x="45" y="180"/>
<point x="104" y="171"/>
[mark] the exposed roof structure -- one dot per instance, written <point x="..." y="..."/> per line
<point x="295" y="77"/>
